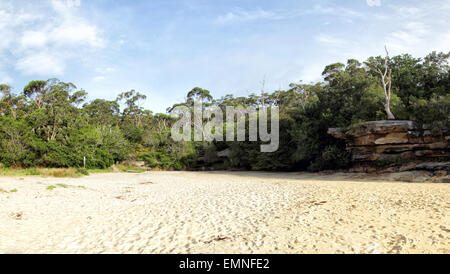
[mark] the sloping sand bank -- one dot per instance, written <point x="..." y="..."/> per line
<point x="222" y="212"/>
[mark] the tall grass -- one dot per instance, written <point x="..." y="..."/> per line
<point x="50" y="172"/>
<point x="65" y="172"/>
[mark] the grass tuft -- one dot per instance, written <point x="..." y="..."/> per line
<point x="51" y="187"/>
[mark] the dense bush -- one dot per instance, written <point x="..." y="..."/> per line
<point x="49" y="124"/>
<point x="351" y="94"/>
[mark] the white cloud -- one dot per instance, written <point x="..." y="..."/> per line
<point x="105" y="70"/>
<point x="407" y="11"/>
<point x="418" y="30"/>
<point x="73" y="34"/>
<point x="73" y="3"/>
<point x="339" y="12"/>
<point x="72" y="29"/>
<point x="327" y="39"/>
<point x="109" y="69"/>
<point x="240" y="15"/>
<point x="33" y="39"/>
<point x="373" y="3"/>
<point x="65" y="5"/>
<point x="41" y="64"/>
<point x="99" y="78"/>
<point x="444" y="42"/>
<point x="66" y="35"/>
<point x="312" y="73"/>
<point x="41" y="38"/>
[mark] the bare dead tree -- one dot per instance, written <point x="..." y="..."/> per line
<point x="386" y="80"/>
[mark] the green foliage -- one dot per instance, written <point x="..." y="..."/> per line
<point x="50" y="125"/>
<point x="332" y="157"/>
<point x="434" y="112"/>
<point x="83" y="171"/>
<point x="16" y="142"/>
<point x="164" y="159"/>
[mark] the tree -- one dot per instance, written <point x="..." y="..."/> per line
<point x="5" y="90"/>
<point x="102" y="112"/>
<point x="36" y="89"/>
<point x="198" y="94"/>
<point x="299" y="93"/>
<point x="5" y="101"/>
<point x="386" y="80"/>
<point x="133" y="101"/>
<point x="331" y="71"/>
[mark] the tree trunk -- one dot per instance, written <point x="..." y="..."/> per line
<point x="387" y="108"/>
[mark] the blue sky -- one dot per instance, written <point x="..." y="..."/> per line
<point x="163" y="48"/>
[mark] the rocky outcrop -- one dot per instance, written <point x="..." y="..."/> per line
<point x="390" y="141"/>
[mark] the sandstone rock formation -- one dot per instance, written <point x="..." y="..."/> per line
<point x="377" y="142"/>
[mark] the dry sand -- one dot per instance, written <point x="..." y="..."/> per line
<point x="220" y="212"/>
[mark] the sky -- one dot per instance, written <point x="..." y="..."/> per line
<point x="164" y="48"/>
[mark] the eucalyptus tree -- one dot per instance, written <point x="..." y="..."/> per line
<point x="133" y="101"/>
<point x="199" y="94"/>
<point x="385" y="73"/>
<point x="36" y="90"/>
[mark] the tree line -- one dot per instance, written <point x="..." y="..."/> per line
<point x="50" y="123"/>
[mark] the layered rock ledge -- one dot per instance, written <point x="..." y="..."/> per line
<point x="376" y="142"/>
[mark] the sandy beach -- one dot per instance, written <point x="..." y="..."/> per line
<point x="222" y="212"/>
